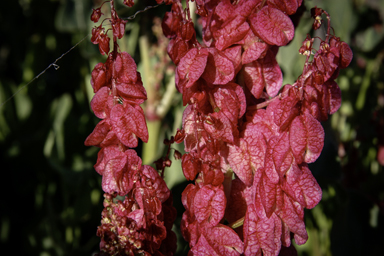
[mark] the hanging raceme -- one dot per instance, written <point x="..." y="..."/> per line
<point x="142" y="222"/>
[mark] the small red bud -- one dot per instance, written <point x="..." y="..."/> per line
<point x="104" y="44"/>
<point x="129" y="3"/>
<point x="168" y="163"/>
<point x="96" y="14"/>
<point x="306" y="48"/>
<point x="316" y="14"/>
<point x="346" y="55"/>
<point x="177" y="155"/>
<point x="96" y="33"/>
<point x="180" y="135"/>
<point x="159" y="164"/>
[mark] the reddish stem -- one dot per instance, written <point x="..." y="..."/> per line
<point x="328" y="26"/>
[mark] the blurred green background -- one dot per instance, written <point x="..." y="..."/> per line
<point x="52" y="198"/>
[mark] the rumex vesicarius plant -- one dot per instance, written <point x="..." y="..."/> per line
<point x="248" y="138"/>
<point x="142" y="222"/>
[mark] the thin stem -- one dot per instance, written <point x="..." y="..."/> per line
<point x="237" y="223"/>
<point x="306" y="63"/>
<point x="262" y="4"/>
<point x="53" y="64"/>
<point x="213" y="103"/>
<point x="109" y="19"/>
<point x="328" y="27"/>
<point x="104" y="3"/>
<point x="228" y="183"/>
<point x="195" y="130"/>
<point x="266" y="103"/>
<point x="166" y="101"/>
<point x="141" y="11"/>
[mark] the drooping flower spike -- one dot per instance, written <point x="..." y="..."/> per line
<point x="141" y="223"/>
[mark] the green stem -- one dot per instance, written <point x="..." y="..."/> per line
<point x="237" y="223"/>
<point x="360" y="102"/>
<point x="148" y="78"/>
<point x="150" y="149"/>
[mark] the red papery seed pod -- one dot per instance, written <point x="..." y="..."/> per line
<point x="96" y="34"/>
<point x="177" y="155"/>
<point x="180" y="135"/>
